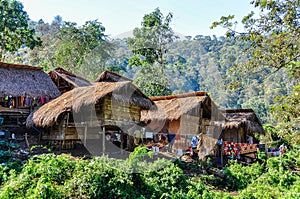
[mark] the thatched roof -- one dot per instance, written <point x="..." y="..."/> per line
<point x="65" y="80"/>
<point x="173" y="107"/>
<point x="236" y="118"/>
<point x="108" y="76"/>
<point x="21" y="80"/>
<point x="80" y="97"/>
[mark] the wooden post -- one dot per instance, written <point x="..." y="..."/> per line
<point x="40" y="136"/>
<point x="67" y="122"/>
<point x="222" y="155"/>
<point x="27" y="143"/>
<point x="66" y="128"/>
<point x="122" y="142"/>
<point x="85" y="132"/>
<point x="91" y="118"/>
<point x="103" y="140"/>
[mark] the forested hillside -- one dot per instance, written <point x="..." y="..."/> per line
<point x="201" y="63"/>
<point x="239" y="70"/>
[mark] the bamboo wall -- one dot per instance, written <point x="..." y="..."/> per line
<point x="118" y="113"/>
<point x="235" y="135"/>
<point x="190" y="123"/>
<point x="64" y="134"/>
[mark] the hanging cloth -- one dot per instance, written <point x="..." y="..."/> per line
<point x="27" y="101"/>
<point x="42" y="100"/>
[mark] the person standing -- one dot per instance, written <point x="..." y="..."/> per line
<point x="194" y="144"/>
<point x="171" y="140"/>
<point x="13" y="137"/>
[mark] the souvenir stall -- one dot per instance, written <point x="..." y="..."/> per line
<point x="238" y="136"/>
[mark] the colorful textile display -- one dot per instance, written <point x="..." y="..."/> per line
<point x="238" y="148"/>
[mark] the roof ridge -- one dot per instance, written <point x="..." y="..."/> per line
<point x="104" y="73"/>
<point x="20" y="66"/>
<point x="61" y="70"/>
<point x="168" y="97"/>
<point x="241" y="110"/>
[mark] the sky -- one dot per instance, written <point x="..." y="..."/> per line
<point x="190" y="17"/>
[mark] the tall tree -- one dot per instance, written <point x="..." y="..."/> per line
<point x="77" y="44"/>
<point x="287" y="113"/>
<point x="149" y="47"/>
<point x="43" y="55"/>
<point x="14" y="28"/>
<point x="273" y="39"/>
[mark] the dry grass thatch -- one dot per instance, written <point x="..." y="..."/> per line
<point x="65" y="80"/>
<point x="173" y="107"/>
<point x="108" y="76"/>
<point x="238" y="117"/>
<point x="80" y="97"/>
<point x="22" y="80"/>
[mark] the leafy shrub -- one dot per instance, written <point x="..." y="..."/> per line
<point x="278" y="181"/>
<point x="63" y="176"/>
<point x="40" y="178"/>
<point x="239" y="176"/>
<point x="169" y="179"/>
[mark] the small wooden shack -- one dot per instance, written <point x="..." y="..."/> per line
<point x="237" y="140"/>
<point x="102" y="106"/>
<point x="240" y="124"/>
<point x="22" y="89"/>
<point x="109" y="76"/>
<point x="66" y="81"/>
<point x="185" y="115"/>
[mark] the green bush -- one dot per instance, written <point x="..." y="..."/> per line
<point x="63" y="176"/>
<point x="41" y="177"/>
<point x="239" y="176"/>
<point x="279" y="179"/>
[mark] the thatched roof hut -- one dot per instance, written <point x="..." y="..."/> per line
<point x="65" y="80"/>
<point x="81" y="97"/>
<point x="174" y="106"/>
<point x="186" y="113"/>
<point x="237" y="118"/>
<point x="108" y="76"/>
<point x="23" y="80"/>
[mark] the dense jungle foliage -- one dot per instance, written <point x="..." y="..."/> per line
<point x="63" y="176"/>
